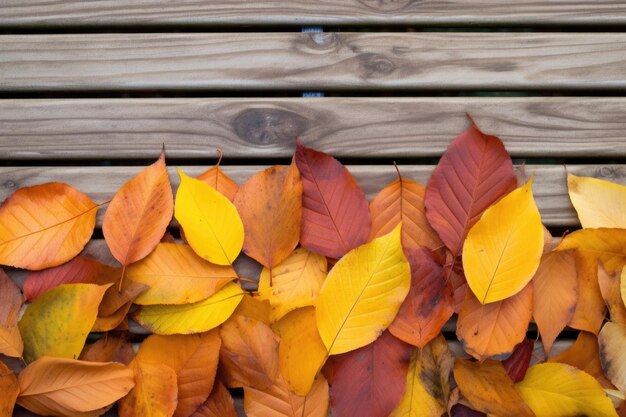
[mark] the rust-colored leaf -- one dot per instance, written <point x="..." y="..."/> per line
<point x="9" y="389"/>
<point x="155" y="393"/>
<point x="270" y="206"/>
<point x="335" y="212"/>
<point x="590" y="310"/>
<point x="493" y="330"/>
<point x="517" y="364"/>
<point x="139" y="213"/>
<point x="429" y="304"/>
<point x="217" y="179"/>
<point x="473" y="173"/>
<point x="371" y="380"/>
<point x="219" y="403"/>
<point x="11" y="301"/>
<point x="45" y="225"/>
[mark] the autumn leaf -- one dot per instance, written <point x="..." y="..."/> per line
<point x="191" y="318"/>
<point x="11" y="301"/>
<point x="503" y="249"/>
<point x="517" y="364"/>
<point x="211" y="223"/>
<point x="493" y="330"/>
<point x="489" y="389"/>
<point x="362" y="294"/>
<point x="270" y="206"/>
<point x="278" y="401"/>
<point x="45" y="225"/>
<point x="110" y="348"/>
<point x="428" y="306"/>
<point x="155" y="393"/>
<point x="605" y="245"/>
<point x="555" y="295"/>
<point x="598" y="203"/>
<point x="610" y="288"/>
<point x="58" y="322"/>
<point x="402" y="201"/>
<point x="301" y="351"/>
<point x="335" y="213"/>
<point x="428" y="381"/>
<point x="176" y="275"/>
<point x="218" y="404"/>
<point x="296" y="282"/>
<point x="9" y="388"/>
<point x="254" y="307"/>
<point x="249" y="354"/>
<point x="590" y="310"/>
<point x="559" y="390"/>
<point x="473" y="173"/>
<point x="611" y="341"/>
<point x="221" y="182"/>
<point x="139" y="213"/>
<point x="60" y="386"/>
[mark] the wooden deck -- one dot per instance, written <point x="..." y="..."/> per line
<point x="91" y="90"/>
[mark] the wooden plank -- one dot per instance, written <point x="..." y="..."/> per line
<point x="302" y="12"/>
<point x="313" y="61"/>
<point x="345" y="127"/>
<point x="100" y="183"/>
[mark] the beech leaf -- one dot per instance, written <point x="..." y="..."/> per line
<point x="11" y="301"/>
<point x="605" y="245"/>
<point x="9" y="388"/>
<point x="155" y="393"/>
<point x="217" y="179"/>
<point x="590" y="309"/>
<point x="611" y="341"/>
<point x="218" y="404"/>
<point x="598" y="203"/>
<point x="278" y="401"/>
<point x="584" y="354"/>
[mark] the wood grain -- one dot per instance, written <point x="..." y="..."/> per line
<point x="100" y="183"/>
<point x="345" y="127"/>
<point x="303" y="12"/>
<point x="313" y="61"/>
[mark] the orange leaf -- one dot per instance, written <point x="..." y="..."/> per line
<point x="216" y="178"/>
<point x="611" y="292"/>
<point x="605" y="245"/>
<point x="403" y="201"/>
<point x="110" y="348"/>
<point x="9" y="389"/>
<point x="270" y="206"/>
<point x="194" y="359"/>
<point x="219" y="403"/>
<point x="59" y="386"/>
<point x="428" y="306"/>
<point x="335" y="213"/>
<point x="139" y="213"/>
<point x="155" y="393"/>
<point x="45" y="225"/>
<point x="489" y="389"/>
<point x="494" y="329"/>
<point x="556" y="295"/>
<point x="589" y="313"/>
<point x="249" y="354"/>
<point x="11" y="301"/>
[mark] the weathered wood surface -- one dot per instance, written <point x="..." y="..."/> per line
<point x="100" y="183"/>
<point x="345" y="127"/>
<point x="303" y="12"/>
<point x="313" y="61"/>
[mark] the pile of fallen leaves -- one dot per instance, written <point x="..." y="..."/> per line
<point x="350" y="305"/>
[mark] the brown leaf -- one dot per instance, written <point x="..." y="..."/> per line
<point x="110" y="348"/>
<point x="11" y="301"/>
<point x="219" y="403"/>
<point x="9" y="389"/>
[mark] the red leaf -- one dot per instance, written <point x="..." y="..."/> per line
<point x="517" y="364"/>
<point x="370" y="381"/>
<point x="460" y="410"/>
<point x="473" y="173"/>
<point x="335" y="212"/>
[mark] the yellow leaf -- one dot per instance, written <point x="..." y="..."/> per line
<point x="278" y="401"/>
<point x="57" y="322"/>
<point x="68" y="387"/>
<point x="301" y="350"/>
<point x="612" y="339"/>
<point x="428" y="381"/>
<point x="296" y="282"/>
<point x="559" y="390"/>
<point x="598" y="203"/>
<point x="605" y="245"/>
<point x="155" y="393"/>
<point x="176" y="275"/>
<point x="503" y="249"/>
<point x="363" y="293"/>
<point x="211" y="223"/>
<point x="191" y="318"/>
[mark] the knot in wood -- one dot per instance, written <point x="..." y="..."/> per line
<point x="375" y="65"/>
<point x="386" y="5"/>
<point x="269" y="126"/>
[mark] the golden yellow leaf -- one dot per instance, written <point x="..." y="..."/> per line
<point x="605" y="245"/>
<point x="363" y="293"/>
<point x="176" y="275"/>
<point x="296" y="282"/>
<point x="211" y="223"/>
<point x="68" y="387"/>
<point x="503" y="249"/>
<point x="278" y="401"/>
<point x="598" y="203"/>
<point x="559" y="390"/>
<point x="155" y="393"/>
<point x="191" y="318"/>
<point x="611" y="341"/>
<point x="428" y="381"/>
<point x="9" y="389"/>
<point x="58" y="322"/>
<point x="301" y="351"/>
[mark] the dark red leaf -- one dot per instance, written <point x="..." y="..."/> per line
<point x="517" y="364"/>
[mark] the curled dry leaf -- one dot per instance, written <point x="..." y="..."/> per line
<point x="58" y="322"/>
<point x="155" y="393"/>
<point x="11" y="301"/>
<point x="270" y="206"/>
<point x="503" y="249"/>
<point x="218" y="404"/>
<point x="611" y="341"/>
<point x="9" y="389"/>
<point x="45" y="225"/>
<point x="363" y="293"/>
<point x="191" y="318"/>
<point x="139" y="213"/>
<point x="59" y="386"/>
<point x="598" y="203"/>
<point x="335" y="212"/>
